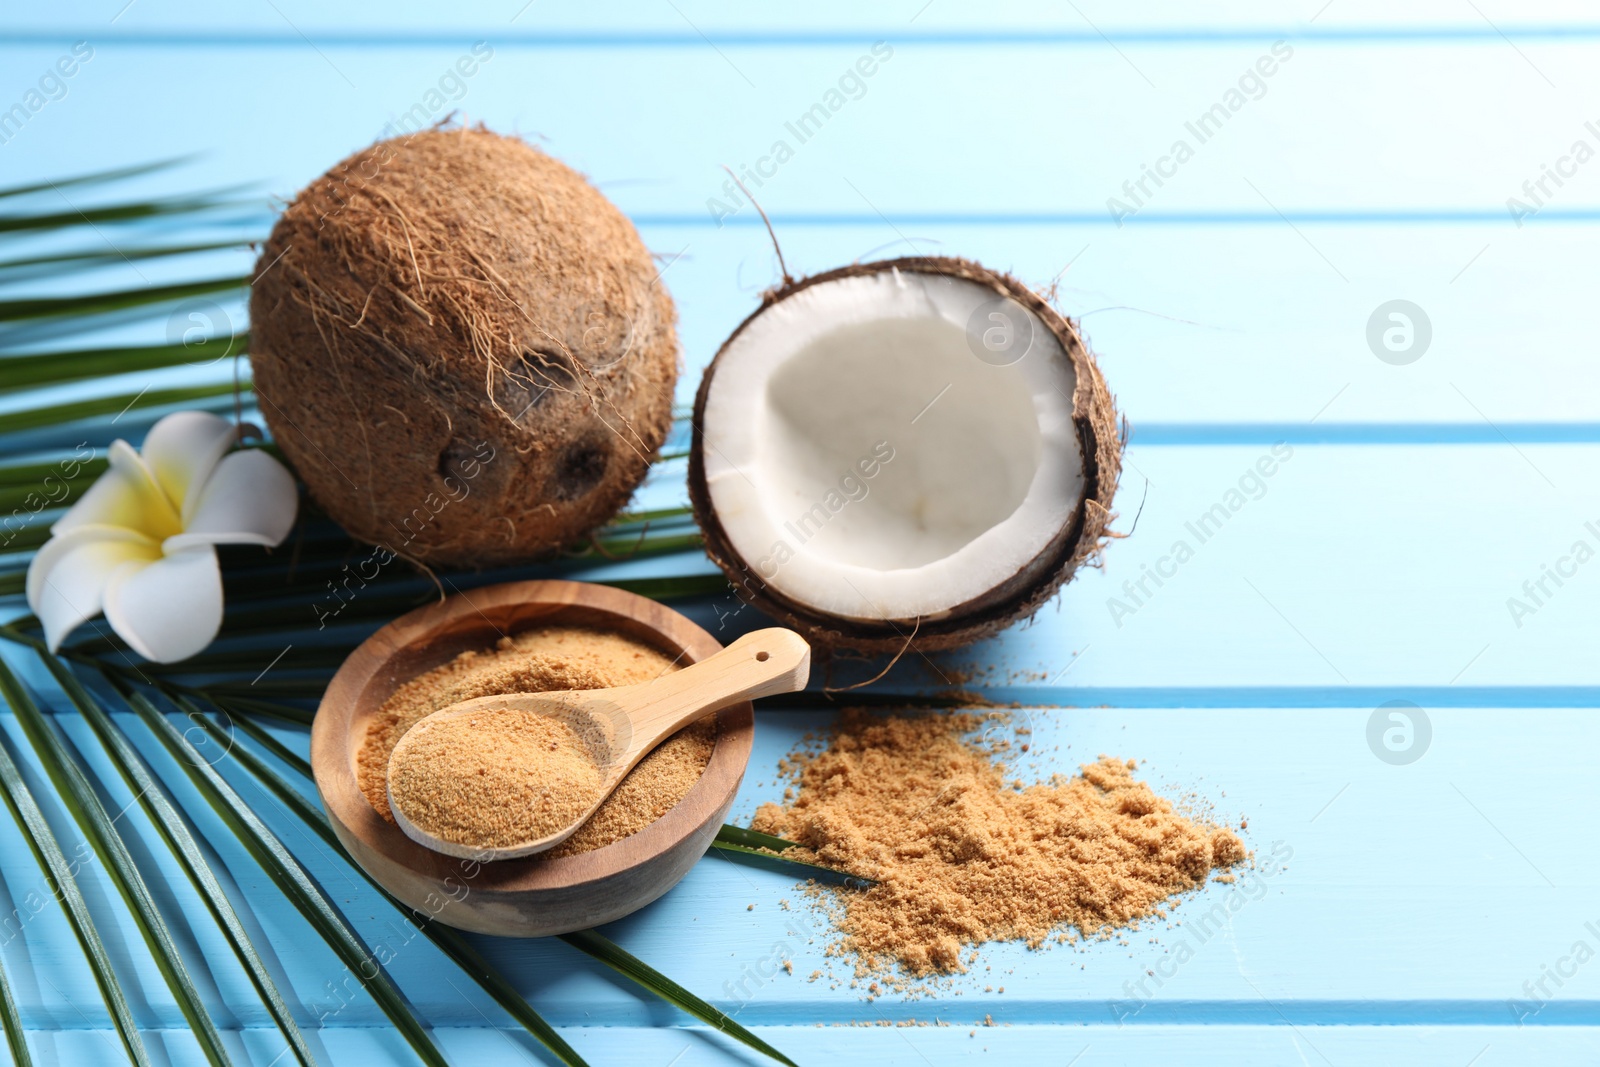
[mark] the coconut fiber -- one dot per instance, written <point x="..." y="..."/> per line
<point x="463" y="347"/>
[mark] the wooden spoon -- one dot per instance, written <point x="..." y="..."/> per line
<point x="621" y="726"/>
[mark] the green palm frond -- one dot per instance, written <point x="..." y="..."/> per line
<point x="78" y="796"/>
<point x="34" y="267"/>
<point x="293" y="879"/>
<point x="99" y="177"/>
<point x="58" y="368"/>
<point x="447" y="940"/>
<point x="60" y="873"/>
<point x="592" y="943"/>
<point x="11" y="1019"/>
<point x="118" y="213"/>
<point x="764" y="850"/>
<point x="587" y="941"/>
<point x="121" y="404"/>
<point x="39" y="307"/>
<point x="175" y="832"/>
<point x="68" y="395"/>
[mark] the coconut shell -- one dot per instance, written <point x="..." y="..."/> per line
<point x="463" y="347"/>
<point x="1095" y="416"/>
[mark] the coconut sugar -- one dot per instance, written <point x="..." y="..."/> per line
<point x="496" y="778"/>
<point x="962" y="856"/>
<point x="546" y="660"/>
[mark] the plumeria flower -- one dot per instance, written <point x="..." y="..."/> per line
<point x="139" y="544"/>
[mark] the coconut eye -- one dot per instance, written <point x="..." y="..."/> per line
<point x="580" y="469"/>
<point x="531" y="381"/>
<point x="456" y="460"/>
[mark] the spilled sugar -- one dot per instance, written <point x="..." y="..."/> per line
<point x="961" y="856"/>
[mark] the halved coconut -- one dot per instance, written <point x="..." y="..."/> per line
<point x="918" y="446"/>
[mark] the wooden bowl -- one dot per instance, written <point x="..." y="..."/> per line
<point x="533" y="896"/>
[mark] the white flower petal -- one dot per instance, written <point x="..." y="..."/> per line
<point x="126" y="495"/>
<point x="250" y="499"/>
<point x="182" y="450"/>
<point x="68" y="575"/>
<point x="167" y="610"/>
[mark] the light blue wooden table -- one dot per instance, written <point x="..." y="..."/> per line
<point x="1424" y="906"/>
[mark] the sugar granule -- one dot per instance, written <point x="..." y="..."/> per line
<point x="546" y="660"/>
<point x="495" y="778"/>
<point x="961" y="857"/>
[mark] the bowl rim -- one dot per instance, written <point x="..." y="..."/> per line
<point x="347" y="700"/>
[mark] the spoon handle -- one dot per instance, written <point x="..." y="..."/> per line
<point x="758" y="664"/>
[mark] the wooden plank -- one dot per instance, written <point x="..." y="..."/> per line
<point x="1168" y="20"/>
<point x="1376" y="564"/>
<point x="921" y="1045"/>
<point x="919" y="137"/>
<point x="1202" y="339"/>
<point x="1207" y="306"/>
<point x="1346" y="841"/>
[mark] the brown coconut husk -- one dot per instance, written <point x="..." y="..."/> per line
<point x="1020" y="597"/>
<point x="463" y="347"/>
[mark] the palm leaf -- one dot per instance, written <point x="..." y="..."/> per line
<point x="73" y="411"/>
<point x="134" y="212"/>
<point x="286" y="713"/>
<point x="59" y="871"/>
<point x="673" y="587"/>
<point x="290" y="688"/>
<point x="628" y="518"/>
<point x="447" y="940"/>
<point x="374" y="606"/>
<point x="57" y="368"/>
<point x="175" y="832"/>
<point x="751" y="840"/>
<point x="64" y="262"/>
<point x="291" y="878"/>
<point x="262" y="737"/>
<point x="98" y="177"/>
<point x="78" y="796"/>
<point x="619" y="959"/>
<point x="30" y="536"/>
<point x="11" y="1019"/>
<point x="587" y="941"/>
<point x="490" y="981"/>
<point x="59" y="493"/>
<point x="30" y="474"/>
<point x="267" y="597"/>
<point x="117" y="300"/>
<point x="322" y="658"/>
<point x="764" y="850"/>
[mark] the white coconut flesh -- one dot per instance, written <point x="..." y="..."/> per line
<point x="869" y="458"/>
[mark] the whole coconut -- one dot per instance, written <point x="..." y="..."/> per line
<point x="463" y="347"/>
